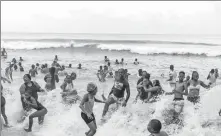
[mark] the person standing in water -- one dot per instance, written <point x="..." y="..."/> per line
<point x="8" y="72"/>
<point x="40" y="113"/>
<point x="79" y="66"/>
<point x="87" y="105"/>
<point x="194" y="88"/>
<point x="50" y="79"/>
<point x="172" y="74"/>
<point x="20" y="67"/>
<point x="212" y="77"/>
<point x="3" y="102"/>
<point x="21" y="59"/>
<point x="4" y="53"/>
<point x="117" y="92"/>
<point x="106" y="59"/>
<point x="101" y="74"/>
<point x="136" y="62"/>
<point x="30" y="87"/>
<point x="117" y="62"/>
<point x="33" y="71"/>
<point x="154" y="127"/>
<point x="56" y="58"/>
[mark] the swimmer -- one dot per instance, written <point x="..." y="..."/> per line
<point x="14" y="61"/>
<point x="8" y="72"/>
<point x="56" y="58"/>
<point x="220" y="112"/>
<point x="194" y="88"/>
<point x="37" y="66"/>
<point x="40" y="113"/>
<point x="50" y="79"/>
<point x="101" y="74"/>
<point x="4" y="53"/>
<point x="212" y="77"/>
<point x="21" y="67"/>
<point x="117" y="62"/>
<point x="69" y="66"/>
<point x="136" y="62"/>
<point x="15" y="67"/>
<point x="154" y="127"/>
<point x="106" y="59"/>
<point x="79" y="66"/>
<point x="87" y="105"/>
<point x="122" y="61"/>
<point x="21" y="59"/>
<point x="110" y="70"/>
<point x="117" y="92"/>
<point x="33" y="71"/>
<point x="140" y="72"/>
<point x="172" y="74"/>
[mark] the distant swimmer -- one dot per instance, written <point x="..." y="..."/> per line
<point x="30" y="87"/>
<point x="37" y="67"/>
<point x="136" y="62"/>
<point x="69" y="93"/>
<point x="140" y="72"/>
<point x="212" y="77"/>
<point x="154" y="127"/>
<point x="141" y="83"/>
<point x="56" y="58"/>
<point x="20" y="67"/>
<point x="117" y="92"/>
<point x="122" y="61"/>
<point x="3" y="102"/>
<point x="44" y="69"/>
<point x="106" y="59"/>
<point x="117" y="62"/>
<point x="187" y="79"/>
<point x="14" y="61"/>
<point x="50" y="79"/>
<point x="40" y="113"/>
<point x="79" y="66"/>
<point x="33" y="71"/>
<point x="8" y="72"/>
<point x="21" y="59"/>
<point x="194" y="88"/>
<point x="15" y="67"/>
<point x="4" y="53"/>
<point x="172" y="76"/>
<point x="110" y="71"/>
<point x="69" y="66"/>
<point x="87" y="105"/>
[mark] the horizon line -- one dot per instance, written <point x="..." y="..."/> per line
<point x="102" y="33"/>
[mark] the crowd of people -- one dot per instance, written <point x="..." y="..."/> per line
<point x="147" y="91"/>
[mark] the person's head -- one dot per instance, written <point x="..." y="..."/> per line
<point x="146" y="75"/>
<point x="187" y="78"/>
<point x="156" y="83"/>
<point x="20" y="57"/>
<point x="52" y="70"/>
<point x="154" y="126"/>
<point x="56" y="56"/>
<point x="68" y="79"/>
<point x="108" y="63"/>
<point x="216" y="70"/>
<point x="70" y="66"/>
<point x="181" y="76"/>
<point x="79" y="64"/>
<point x="122" y="59"/>
<point x="27" y="78"/>
<point x="125" y="70"/>
<point x="212" y="71"/>
<point x="42" y="66"/>
<point x="105" y="57"/>
<point x="101" y="67"/>
<point x="37" y="64"/>
<point x="19" y="63"/>
<point x="63" y="67"/>
<point x="105" y="67"/>
<point x="171" y="67"/>
<point x="73" y="75"/>
<point x="195" y="75"/>
<point x="46" y="65"/>
<point x="140" y="72"/>
<point x="136" y="59"/>
<point x="92" y="88"/>
<point x="121" y="72"/>
<point x="116" y="60"/>
<point x="32" y="66"/>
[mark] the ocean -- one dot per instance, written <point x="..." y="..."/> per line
<point x="155" y="54"/>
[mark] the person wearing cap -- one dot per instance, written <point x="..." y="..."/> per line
<point x="117" y="92"/>
<point x="69" y="93"/>
<point x="154" y="127"/>
<point x="142" y="84"/>
<point x="86" y="105"/>
<point x="30" y="87"/>
<point x="40" y="113"/>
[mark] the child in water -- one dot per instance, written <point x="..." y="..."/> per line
<point x="154" y="127"/>
<point x="33" y="71"/>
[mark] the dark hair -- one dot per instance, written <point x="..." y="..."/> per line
<point x="28" y="75"/>
<point x="212" y="71"/>
<point x="33" y="66"/>
<point x="19" y="63"/>
<point x="70" y="65"/>
<point x="157" y="83"/>
<point x="171" y="66"/>
<point x="140" y="72"/>
<point x="46" y="65"/>
<point x="136" y="59"/>
<point x="108" y="63"/>
<point x="37" y="64"/>
<point x="182" y="72"/>
<point x="147" y="75"/>
<point x="52" y="73"/>
<point x="193" y="73"/>
<point x="155" y="126"/>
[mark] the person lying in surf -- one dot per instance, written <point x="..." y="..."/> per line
<point x="33" y="71"/>
<point x="144" y="80"/>
<point x="40" y="113"/>
<point x="136" y="62"/>
<point x="69" y="93"/>
<point x="154" y="127"/>
<point x="117" y="92"/>
<point x="194" y="88"/>
<point x="3" y="102"/>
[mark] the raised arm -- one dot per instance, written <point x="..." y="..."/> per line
<point x="96" y="100"/>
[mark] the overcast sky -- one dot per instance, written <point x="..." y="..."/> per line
<point x="144" y="17"/>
